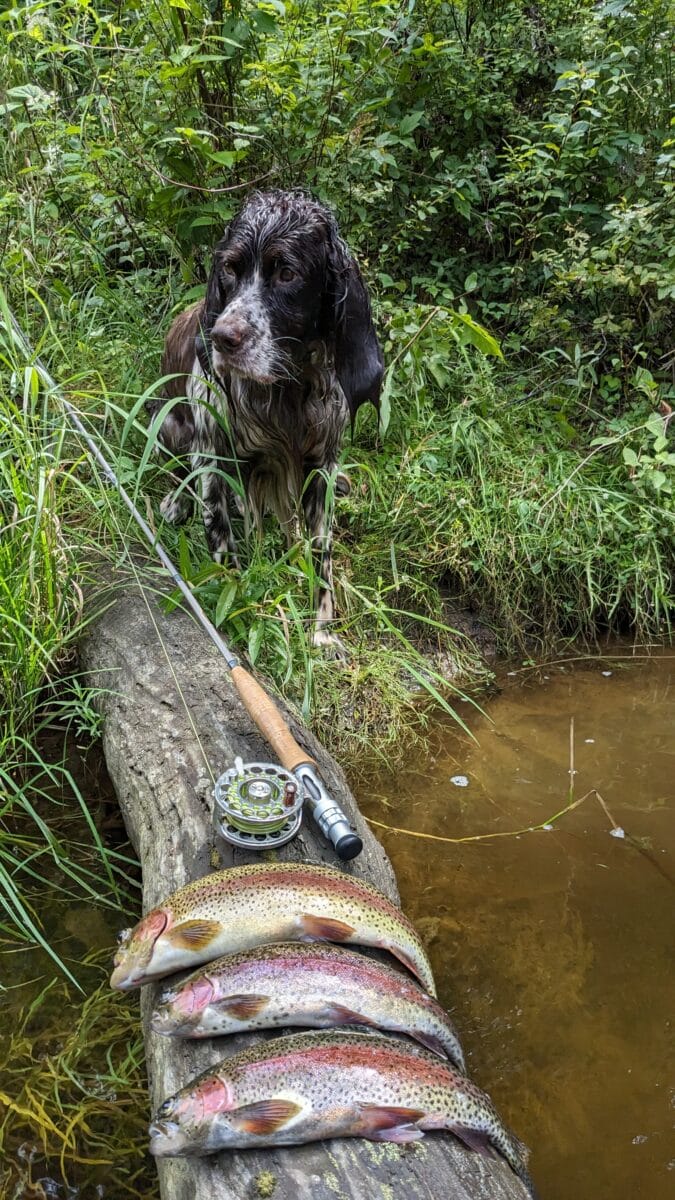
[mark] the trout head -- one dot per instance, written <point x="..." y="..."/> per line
<point x="205" y="1117"/>
<point x="180" y="1010"/>
<point x="184" y="1123"/>
<point x="135" y="949"/>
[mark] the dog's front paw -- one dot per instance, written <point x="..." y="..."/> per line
<point x="343" y="484"/>
<point x="224" y="550"/>
<point x="176" y="508"/>
<point x="330" y="642"/>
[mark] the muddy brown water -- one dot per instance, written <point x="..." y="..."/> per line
<point x="554" y="949"/>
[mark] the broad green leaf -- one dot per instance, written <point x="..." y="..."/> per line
<point x="255" y="637"/>
<point x="477" y="335"/>
<point x="225" y="601"/>
<point x="385" y="402"/>
<point x="410" y="122"/>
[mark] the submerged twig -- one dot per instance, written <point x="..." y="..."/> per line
<point x="570" y="794"/>
<point x="481" y="837"/>
<point x="543" y="826"/>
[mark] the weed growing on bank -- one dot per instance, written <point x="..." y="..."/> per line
<point x="74" y="1096"/>
<point x="546" y="517"/>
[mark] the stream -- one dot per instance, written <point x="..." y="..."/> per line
<point x="554" y="949"/>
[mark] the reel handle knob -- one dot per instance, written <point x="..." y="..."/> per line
<point x="348" y="846"/>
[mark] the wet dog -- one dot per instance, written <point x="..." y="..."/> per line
<point x="273" y="364"/>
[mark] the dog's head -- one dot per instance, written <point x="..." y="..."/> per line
<point x="282" y="278"/>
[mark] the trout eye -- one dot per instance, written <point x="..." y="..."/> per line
<point x="165" y="1109"/>
<point x="123" y="936"/>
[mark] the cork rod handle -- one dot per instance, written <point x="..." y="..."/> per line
<point x="266" y="716"/>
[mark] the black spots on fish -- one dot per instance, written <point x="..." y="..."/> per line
<point x="193" y="935"/>
<point x="264" y="1117"/>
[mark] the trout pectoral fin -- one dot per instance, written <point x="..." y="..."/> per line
<point x="267" y="1116"/>
<point x="242" y="1007"/>
<point x="384" y="1123"/>
<point x="193" y="935"/>
<point x="325" y="929"/>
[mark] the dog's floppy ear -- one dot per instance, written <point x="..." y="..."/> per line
<point x="214" y="302"/>
<point x="358" y="358"/>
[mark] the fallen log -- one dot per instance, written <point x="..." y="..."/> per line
<point x="173" y="723"/>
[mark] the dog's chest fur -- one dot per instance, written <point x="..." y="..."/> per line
<point x="271" y="435"/>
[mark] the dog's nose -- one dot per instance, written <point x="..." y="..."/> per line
<point x="228" y="335"/>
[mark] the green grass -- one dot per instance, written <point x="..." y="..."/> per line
<point x="43" y="551"/>
<point x="528" y="507"/>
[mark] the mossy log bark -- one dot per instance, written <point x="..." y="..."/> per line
<point x="173" y="722"/>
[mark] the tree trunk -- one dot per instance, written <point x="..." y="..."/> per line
<point x="173" y="723"/>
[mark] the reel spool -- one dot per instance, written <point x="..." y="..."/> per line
<point x="257" y="805"/>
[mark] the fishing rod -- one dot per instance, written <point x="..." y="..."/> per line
<point x="257" y="805"/>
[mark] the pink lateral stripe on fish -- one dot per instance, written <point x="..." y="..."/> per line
<point x="243" y="907"/>
<point x="312" y="1086"/>
<point x="314" y="985"/>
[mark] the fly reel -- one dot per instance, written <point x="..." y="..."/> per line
<point x="257" y="805"/>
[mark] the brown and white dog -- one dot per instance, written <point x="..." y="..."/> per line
<point x="278" y="357"/>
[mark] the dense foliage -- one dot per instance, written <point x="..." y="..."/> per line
<point x="497" y="166"/>
<point x="519" y="155"/>
<point x="504" y="171"/>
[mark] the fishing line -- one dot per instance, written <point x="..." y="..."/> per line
<point x="142" y="589"/>
<point x="616" y="831"/>
<point x="169" y="661"/>
<point x="327" y="814"/>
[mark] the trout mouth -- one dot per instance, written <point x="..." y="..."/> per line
<point x="167" y="1022"/>
<point x="181" y="1124"/>
<point x="163" y="1128"/>
<point x="166" y="1139"/>
<point x="180" y="1009"/>
<point x="135" y="950"/>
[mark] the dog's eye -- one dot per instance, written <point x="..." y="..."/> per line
<point x="228" y="272"/>
<point x="286" y="274"/>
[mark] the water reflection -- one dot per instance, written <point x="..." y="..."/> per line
<point x="555" y="949"/>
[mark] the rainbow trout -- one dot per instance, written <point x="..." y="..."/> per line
<point x="245" y="907"/>
<point x="323" y="1085"/>
<point x="315" y="985"/>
